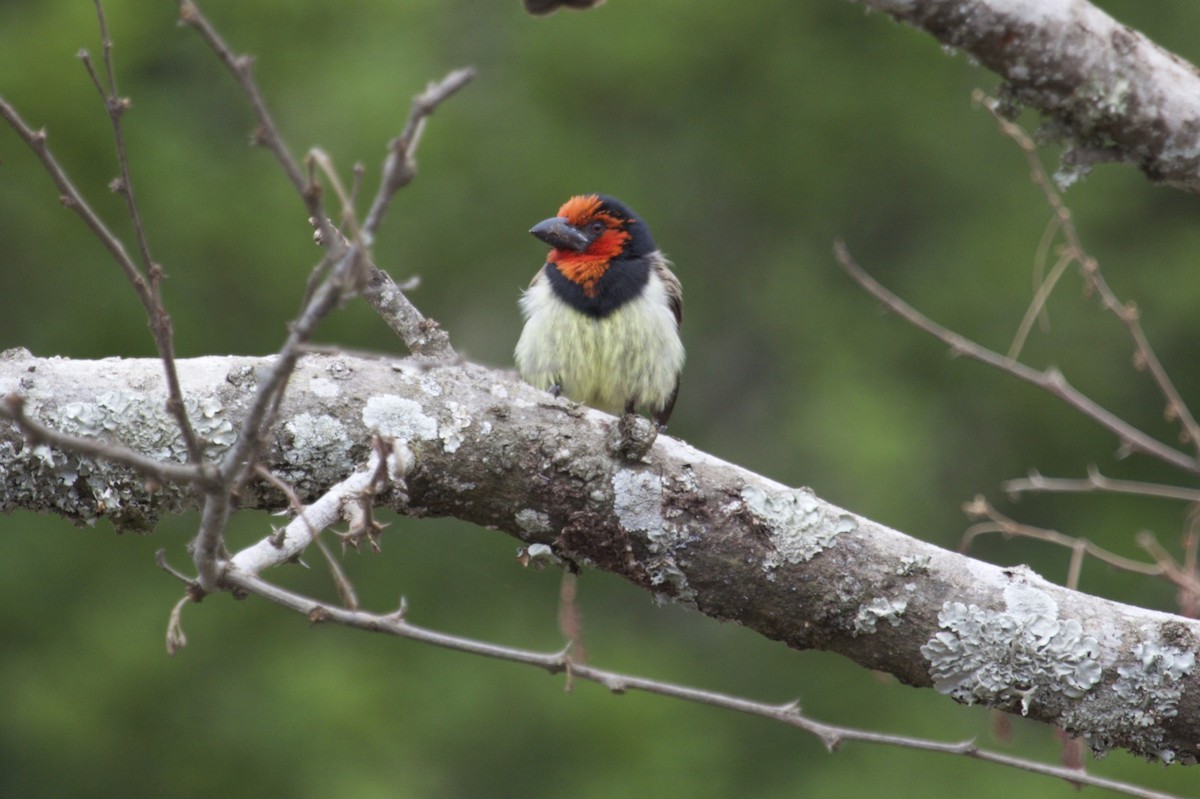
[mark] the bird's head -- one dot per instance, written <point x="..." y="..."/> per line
<point x="591" y="234"/>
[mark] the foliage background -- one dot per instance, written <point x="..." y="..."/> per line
<point x="750" y="136"/>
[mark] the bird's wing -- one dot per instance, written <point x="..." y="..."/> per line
<point x="662" y="267"/>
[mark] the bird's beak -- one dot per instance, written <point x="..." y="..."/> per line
<point x="558" y="232"/>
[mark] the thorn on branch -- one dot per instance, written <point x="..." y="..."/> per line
<point x="176" y="639"/>
<point x="400" y="614"/>
<point x="791" y="708"/>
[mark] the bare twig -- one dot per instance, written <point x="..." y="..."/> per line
<point x="1050" y="380"/>
<point x="176" y="639"/>
<point x="241" y="67"/>
<point x="980" y="508"/>
<point x="1189" y="599"/>
<point x="832" y="736"/>
<point x="150" y="293"/>
<point x="1037" y="307"/>
<point x="424" y="337"/>
<point x="311" y="519"/>
<point x="341" y="581"/>
<point x="401" y="167"/>
<point x="1039" y="261"/>
<point x="1181" y="574"/>
<point x="70" y="197"/>
<point x="1177" y="409"/>
<point x="1095" y="481"/>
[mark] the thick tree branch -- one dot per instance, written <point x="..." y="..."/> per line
<point x="681" y="524"/>
<point x="1114" y="92"/>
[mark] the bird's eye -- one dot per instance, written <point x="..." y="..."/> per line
<point x="596" y="227"/>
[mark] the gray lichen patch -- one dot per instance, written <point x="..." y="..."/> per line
<point x="638" y="506"/>
<point x="637" y="500"/>
<point x="533" y="521"/>
<point x="142" y="423"/>
<point x="1004" y="657"/>
<point x="87" y="489"/>
<point x="321" y="437"/>
<point x="1153" y="679"/>
<point x="799" y="525"/>
<point x="318" y="451"/>
<point x="398" y="417"/>
<point x="453" y="432"/>
<point x="877" y="610"/>
<point x="917" y="564"/>
<point x="1147" y="692"/>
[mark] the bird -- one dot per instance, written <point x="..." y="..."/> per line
<point x="602" y="316"/>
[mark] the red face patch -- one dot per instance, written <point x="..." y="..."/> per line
<point x="587" y="267"/>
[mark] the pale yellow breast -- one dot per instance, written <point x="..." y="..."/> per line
<point x="633" y="353"/>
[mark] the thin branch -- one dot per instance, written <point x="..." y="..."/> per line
<point x="70" y="197"/>
<point x="1050" y="380"/>
<point x="832" y="736"/>
<point x="160" y="320"/>
<point x="309" y="521"/>
<point x="999" y="523"/>
<point x="1095" y="481"/>
<point x="241" y="67"/>
<point x="1039" y="260"/>
<point x="1179" y="574"/>
<point x="1037" y="307"/>
<point x="1177" y="409"/>
<point x="340" y="580"/>
<point x="423" y="336"/>
<point x="401" y="167"/>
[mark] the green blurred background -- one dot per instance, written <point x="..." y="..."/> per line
<point x="749" y="136"/>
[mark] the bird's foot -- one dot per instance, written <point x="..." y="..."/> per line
<point x="632" y="437"/>
<point x="555" y="389"/>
